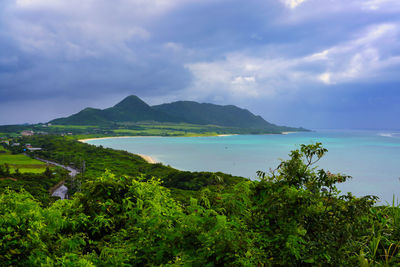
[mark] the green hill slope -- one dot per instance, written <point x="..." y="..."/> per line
<point x="88" y="116"/>
<point x="229" y="116"/>
<point x="132" y="110"/>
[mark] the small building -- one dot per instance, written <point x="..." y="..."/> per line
<point x="32" y="149"/>
<point x="28" y="145"/>
<point x="27" y="133"/>
<point x="16" y="144"/>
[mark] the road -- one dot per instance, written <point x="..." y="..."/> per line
<point x="62" y="190"/>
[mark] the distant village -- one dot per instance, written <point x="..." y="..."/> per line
<point x="9" y="142"/>
<point x="12" y="143"/>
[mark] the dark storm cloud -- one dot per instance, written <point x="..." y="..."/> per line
<point x="294" y="62"/>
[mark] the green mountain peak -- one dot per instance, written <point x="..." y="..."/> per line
<point x="132" y="102"/>
<point x="133" y="109"/>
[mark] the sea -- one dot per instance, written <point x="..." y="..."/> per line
<point x="372" y="158"/>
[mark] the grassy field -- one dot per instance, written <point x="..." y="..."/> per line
<point x="22" y="163"/>
<point x="77" y="132"/>
<point x="177" y="126"/>
<point x="82" y="127"/>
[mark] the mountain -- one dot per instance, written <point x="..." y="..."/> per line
<point x="88" y="116"/>
<point x="229" y="116"/>
<point x="133" y="109"/>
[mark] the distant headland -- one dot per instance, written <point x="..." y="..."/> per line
<point x="133" y="117"/>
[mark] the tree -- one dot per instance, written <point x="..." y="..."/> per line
<point x="48" y="173"/>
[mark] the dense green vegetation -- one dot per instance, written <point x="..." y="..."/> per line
<point x="37" y="184"/>
<point x="210" y="114"/>
<point x="20" y="172"/>
<point x="292" y="216"/>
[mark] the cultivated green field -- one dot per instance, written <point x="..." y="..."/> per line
<point x="21" y="162"/>
<point x="177" y="126"/>
<point x="82" y="127"/>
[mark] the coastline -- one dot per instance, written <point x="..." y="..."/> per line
<point x="135" y="136"/>
<point x="148" y="159"/>
<point x="109" y="137"/>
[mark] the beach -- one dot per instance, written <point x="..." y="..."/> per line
<point x="137" y="136"/>
<point x="99" y="138"/>
<point x="147" y="158"/>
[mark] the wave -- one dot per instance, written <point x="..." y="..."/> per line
<point x="392" y="135"/>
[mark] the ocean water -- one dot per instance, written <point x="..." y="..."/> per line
<point x="372" y="158"/>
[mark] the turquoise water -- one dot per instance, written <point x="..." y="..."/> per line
<point x="372" y="158"/>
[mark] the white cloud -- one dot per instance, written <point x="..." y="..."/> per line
<point x="365" y="58"/>
<point x="336" y="9"/>
<point x="134" y="7"/>
<point x="293" y="3"/>
<point x="389" y="5"/>
<point x="240" y="76"/>
<point x="75" y="28"/>
<point x="325" y="77"/>
<point x="244" y="80"/>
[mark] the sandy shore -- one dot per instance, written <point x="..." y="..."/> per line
<point x="147" y="158"/>
<point x="98" y="138"/>
<point x="136" y="136"/>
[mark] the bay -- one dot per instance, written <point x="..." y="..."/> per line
<point x="372" y="158"/>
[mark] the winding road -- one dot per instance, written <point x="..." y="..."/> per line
<point x="61" y="191"/>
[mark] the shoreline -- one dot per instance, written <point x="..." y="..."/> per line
<point x="148" y="159"/>
<point x="109" y="137"/>
<point x="136" y="136"/>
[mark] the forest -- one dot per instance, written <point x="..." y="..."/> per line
<point x="123" y="211"/>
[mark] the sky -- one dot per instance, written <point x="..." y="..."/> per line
<point x="310" y="63"/>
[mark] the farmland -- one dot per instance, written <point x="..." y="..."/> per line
<point x="21" y="162"/>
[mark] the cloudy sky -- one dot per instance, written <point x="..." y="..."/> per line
<point x="311" y="63"/>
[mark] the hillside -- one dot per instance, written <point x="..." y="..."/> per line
<point x="204" y="113"/>
<point x="132" y="110"/>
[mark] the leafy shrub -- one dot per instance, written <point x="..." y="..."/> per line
<point x="294" y="216"/>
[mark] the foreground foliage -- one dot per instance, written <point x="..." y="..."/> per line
<point x="292" y="216"/>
